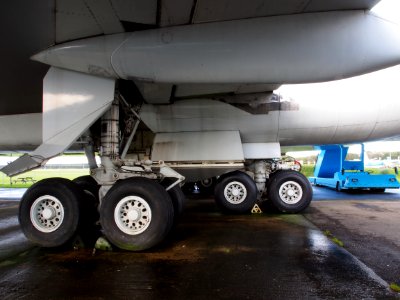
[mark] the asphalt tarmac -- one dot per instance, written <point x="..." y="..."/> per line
<point x="208" y="255"/>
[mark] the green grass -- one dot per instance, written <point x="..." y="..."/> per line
<point x="307" y="170"/>
<point x="334" y="239"/>
<point x="39" y="174"/>
<point x="395" y="287"/>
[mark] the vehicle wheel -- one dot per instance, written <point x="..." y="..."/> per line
<point x="89" y="229"/>
<point x="49" y="212"/>
<point x="377" y="190"/>
<point x="136" y="214"/>
<point x="236" y="193"/>
<point x="91" y="189"/>
<point x="266" y="204"/>
<point x="338" y="188"/>
<point x="290" y="191"/>
<point x="89" y="185"/>
<point x="177" y="196"/>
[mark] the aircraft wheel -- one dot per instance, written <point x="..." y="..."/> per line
<point x="290" y="191"/>
<point x="91" y="203"/>
<point x="89" y="229"/>
<point x="177" y="196"/>
<point x="49" y="212"/>
<point x="236" y="193"/>
<point x="89" y="185"/>
<point x="136" y="214"/>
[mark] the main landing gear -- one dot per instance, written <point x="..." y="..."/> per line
<point x="137" y="201"/>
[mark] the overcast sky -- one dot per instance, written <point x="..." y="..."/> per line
<point x="359" y="90"/>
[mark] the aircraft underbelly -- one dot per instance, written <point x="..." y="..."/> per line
<point x="20" y="132"/>
<point x="276" y="50"/>
<point x="307" y="125"/>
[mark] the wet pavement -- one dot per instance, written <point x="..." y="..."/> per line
<point x="12" y="239"/>
<point x="367" y="224"/>
<point x="208" y="255"/>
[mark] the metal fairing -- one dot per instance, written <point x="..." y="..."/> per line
<point x="300" y="48"/>
<point x="308" y="124"/>
<point x="198" y="146"/>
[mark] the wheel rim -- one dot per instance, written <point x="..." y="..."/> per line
<point x="132" y="215"/>
<point x="290" y="192"/>
<point x="47" y="213"/>
<point x="235" y="192"/>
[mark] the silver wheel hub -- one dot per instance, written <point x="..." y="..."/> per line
<point x="235" y="192"/>
<point x="290" y="192"/>
<point x="47" y="213"/>
<point x="132" y="215"/>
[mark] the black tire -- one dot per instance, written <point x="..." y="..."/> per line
<point x="232" y="183"/>
<point x="377" y="190"/>
<point x="89" y="230"/>
<point x="90" y="204"/>
<point x="281" y="187"/>
<point x="54" y="197"/>
<point x="151" y="202"/>
<point x="177" y="197"/>
<point x="266" y="204"/>
<point x="89" y="185"/>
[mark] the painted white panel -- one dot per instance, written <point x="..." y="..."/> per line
<point x="105" y="16"/>
<point x="137" y="11"/>
<point x="20" y="132"/>
<point x="91" y="56"/>
<point x="210" y="115"/>
<point x="71" y="103"/>
<point x="155" y="92"/>
<point x="286" y="49"/>
<point x="261" y="150"/>
<point x="198" y="146"/>
<point x="185" y="90"/>
<point x="175" y="12"/>
<point x="74" y="21"/>
<point x="211" y="10"/>
<point x="324" y="5"/>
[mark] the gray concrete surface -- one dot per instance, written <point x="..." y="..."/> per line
<point x="208" y="255"/>
<point x="12" y="240"/>
<point x="368" y="225"/>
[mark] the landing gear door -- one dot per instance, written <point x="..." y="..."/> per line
<point x="72" y="102"/>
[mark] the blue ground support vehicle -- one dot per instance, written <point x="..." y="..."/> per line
<point x="333" y="170"/>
